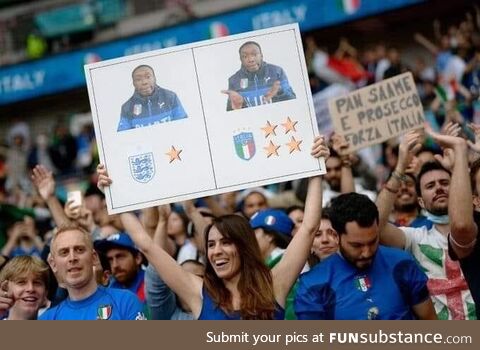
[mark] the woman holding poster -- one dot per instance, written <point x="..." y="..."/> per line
<point x="237" y="284"/>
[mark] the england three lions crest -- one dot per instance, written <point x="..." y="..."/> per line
<point x="142" y="167"/>
<point x="244" y="145"/>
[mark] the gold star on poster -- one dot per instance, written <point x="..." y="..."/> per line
<point x="269" y="129"/>
<point x="289" y="125"/>
<point x="174" y="154"/>
<point x="294" y="145"/>
<point x="271" y="149"/>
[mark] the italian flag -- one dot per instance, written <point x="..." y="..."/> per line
<point x="447" y="286"/>
<point x="246" y="150"/>
<point x="104" y="312"/>
<point x="349" y="7"/>
<point x="218" y="29"/>
<point x="447" y="91"/>
<point x="270" y="220"/>
<point x="363" y="284"/>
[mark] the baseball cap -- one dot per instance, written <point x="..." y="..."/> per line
<point x="273" y="220"/>
<point x="117" y="240"/>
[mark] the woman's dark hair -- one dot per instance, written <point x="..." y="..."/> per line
<point x="255" y="284"/>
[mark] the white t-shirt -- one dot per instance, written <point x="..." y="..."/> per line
<point x="188" y="251"/>
<point x="448" y="289"/>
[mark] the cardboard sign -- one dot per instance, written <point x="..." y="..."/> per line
<point x="378" y="112"/>
<point x="204" y="118"/>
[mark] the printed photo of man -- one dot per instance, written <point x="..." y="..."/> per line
<point x="256" y="82"/>
<point x="150" y="104"/>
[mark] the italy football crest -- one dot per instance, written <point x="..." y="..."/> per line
<point x="137" y="109"/>
<point x="244" y="145"/>
<point x="243" y="83"/>
<point x="142" y="167"/>
<point x="104" y="312"/>
<point x="362" y="283"/>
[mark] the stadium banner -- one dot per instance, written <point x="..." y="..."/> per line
<point x="63" y="72"/>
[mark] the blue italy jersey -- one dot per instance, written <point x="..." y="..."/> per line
<point x="104" y="304"/>
<point x="211" y="311"/>
<point x="253" y="86"/>
<point x="335" y="289"/>
<point x="137" y="286"/>
<point x="161" y="107"/>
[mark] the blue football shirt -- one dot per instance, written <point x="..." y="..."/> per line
<point x="104" y="304"/>
<point x="336" y="289"/>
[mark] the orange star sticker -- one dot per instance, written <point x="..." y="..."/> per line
<point x="294" y="145"/>
<point x="269" y="129"/>
<point x="271" y="149"/>
<point x="174" y="154"/>
<point x="289" y="125"/>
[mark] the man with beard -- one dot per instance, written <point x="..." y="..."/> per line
<point x="451" y="296"/>
<point x="405" y="208"/>
<point x="150" y="104"/>
<point x="256" y="82"/>
<point x="125" y="262"/>
<point x="363" y="280"/>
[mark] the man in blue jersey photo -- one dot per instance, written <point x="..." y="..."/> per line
<point x="256" y="82"/>
<point x="72" y="260"/>
<point x="363" y="281"/>
<point x="150" y="104"/>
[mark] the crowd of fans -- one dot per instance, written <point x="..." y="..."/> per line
<point x="396" y="238"/>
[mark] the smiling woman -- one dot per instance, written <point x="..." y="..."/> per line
<point x="237" y="284"/>
<point x="225" y="239"/>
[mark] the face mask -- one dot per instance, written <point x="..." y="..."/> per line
<point x="437" y="219"/>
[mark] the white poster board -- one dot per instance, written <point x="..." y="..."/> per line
<point x="182" y="139"/>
